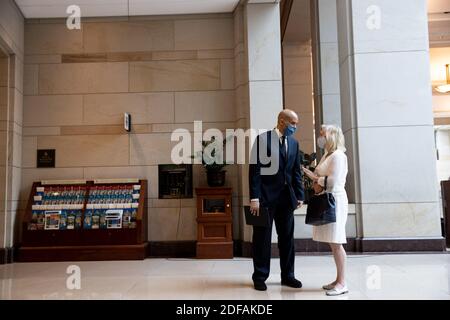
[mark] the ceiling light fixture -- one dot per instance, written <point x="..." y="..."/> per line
<point x="446" y="87"/>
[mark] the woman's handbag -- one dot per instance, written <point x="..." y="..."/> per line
<point x="321" y="208"/>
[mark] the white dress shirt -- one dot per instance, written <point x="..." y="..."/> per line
<point x="280" y="135"/>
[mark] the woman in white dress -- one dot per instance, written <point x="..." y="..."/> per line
<point x="333" y="168"/>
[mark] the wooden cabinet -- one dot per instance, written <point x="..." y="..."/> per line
<point x="214" y="223"/>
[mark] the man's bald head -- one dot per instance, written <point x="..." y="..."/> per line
<point x="287" y="115"/>
<point x="286" y="118"/>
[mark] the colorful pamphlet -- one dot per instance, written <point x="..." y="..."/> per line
<point x="52" y="220"/>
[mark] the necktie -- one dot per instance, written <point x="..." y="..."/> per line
<point x="283" y="146"/>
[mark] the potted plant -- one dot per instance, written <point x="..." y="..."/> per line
<point x="307" y="161"/>
<point x="213" y="161"/>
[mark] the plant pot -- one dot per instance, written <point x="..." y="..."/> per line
<point x="216" y="178"/>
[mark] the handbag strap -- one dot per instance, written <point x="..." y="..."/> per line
<point x="326" y="180"/>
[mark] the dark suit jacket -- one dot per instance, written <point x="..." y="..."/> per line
<point x="268" y="188"/>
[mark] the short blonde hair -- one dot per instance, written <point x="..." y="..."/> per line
<point x="334" y="137"/>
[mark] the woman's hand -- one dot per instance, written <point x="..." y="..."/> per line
<point x="314" y="177"/>
<point x="317" y="187"/>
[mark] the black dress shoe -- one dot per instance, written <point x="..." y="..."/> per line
<point x="260" y="285"/>
<point x="291" y="282"/>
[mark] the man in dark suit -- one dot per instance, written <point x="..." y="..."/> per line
<point x="281" y="191"/>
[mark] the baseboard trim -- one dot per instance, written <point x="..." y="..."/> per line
<point x="187" y="249"/>
<point x="357" y="245"/>
<point x="3" y="255"/>
<point x="301" y="246"/>
<point x="6" y="255"/>
<point x="309" y="245"/>
<point x="171" y="249"/>
<point x="401" y="245"/>
<point x="82" y="253"/>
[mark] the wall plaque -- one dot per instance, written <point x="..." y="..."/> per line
<point x="46" y="158"/>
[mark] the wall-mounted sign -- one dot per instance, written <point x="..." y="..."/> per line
<point x="46" y="158"/>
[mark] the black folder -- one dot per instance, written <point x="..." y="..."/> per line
<point x="262" y="220"/>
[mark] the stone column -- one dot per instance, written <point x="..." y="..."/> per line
<point x="11" y="109"/>
<point x="388" y="123"/>
<point x="298" y="91"/>
<point x="4" y="95"/>
<point x="242" y="106"/>
<point x="258" y="77"/>
<point x="327" y="104"/>
<point x="263" y="46"/>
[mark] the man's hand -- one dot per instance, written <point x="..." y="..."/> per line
<point x="254" y="207"/>
<point x="299" y="204"/>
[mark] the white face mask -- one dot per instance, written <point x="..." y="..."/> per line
<point x="321" y="142"/>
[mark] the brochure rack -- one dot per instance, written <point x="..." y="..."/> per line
<point x="85" y="220"/>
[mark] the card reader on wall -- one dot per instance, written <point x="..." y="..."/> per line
<point x="127" y="121"/>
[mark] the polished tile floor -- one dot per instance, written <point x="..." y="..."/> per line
<point x="400" y="276"/>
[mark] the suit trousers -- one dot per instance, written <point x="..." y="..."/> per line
<point x="283" y="215"/>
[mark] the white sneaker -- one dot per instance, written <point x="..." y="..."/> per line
<point x="328" y="286"/>
<point x="337" y="291"/>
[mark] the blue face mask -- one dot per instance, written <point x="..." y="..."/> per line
<point x="290" y="130"/>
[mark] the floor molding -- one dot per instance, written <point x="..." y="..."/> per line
<point x="6" y="255"/>
<point x="171" y="249"/>
<point x="301" y="246"/>
<point x="82" y="253"/>
<point x="401" y="245"/>
<point x="186" y="249"/>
